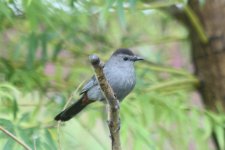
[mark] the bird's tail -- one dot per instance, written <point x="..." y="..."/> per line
<point x="72" y="110"/>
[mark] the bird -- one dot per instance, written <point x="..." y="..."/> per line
<point x="120" y="73"/>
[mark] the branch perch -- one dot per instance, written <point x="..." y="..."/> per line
<point x="26" y="147"/>
<point x="112" y="102"/>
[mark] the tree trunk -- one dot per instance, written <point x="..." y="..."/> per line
<point x="209" y="57"/>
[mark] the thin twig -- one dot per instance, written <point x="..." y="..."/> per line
<point x="58" y="135"/>
<point x="35" y="146"/>
<point x="26" y="147"/>
<point x="112" y="101"/>
<point x="59" y="122"/>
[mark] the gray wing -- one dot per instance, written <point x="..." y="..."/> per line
<point x="89" y="84"/>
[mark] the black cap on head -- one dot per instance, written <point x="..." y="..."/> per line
<point x="123" y="51"/>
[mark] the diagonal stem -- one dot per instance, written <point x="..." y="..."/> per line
<point x="113" y="103"/>
<point x="26" y="147"/>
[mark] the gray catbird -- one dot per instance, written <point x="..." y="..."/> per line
<point x="120" y="73"/>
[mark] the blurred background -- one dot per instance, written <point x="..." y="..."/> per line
<point x="178" y="101"/>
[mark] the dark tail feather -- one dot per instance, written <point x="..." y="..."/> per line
<point x="71" y="111"/>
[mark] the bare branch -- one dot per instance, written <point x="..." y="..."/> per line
<point x="112" y="101"/>
<point x="26" y="147"/>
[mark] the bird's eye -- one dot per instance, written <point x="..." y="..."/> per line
<point x="125" y="58"/>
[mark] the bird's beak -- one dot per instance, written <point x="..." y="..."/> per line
<point x="137" y="58"/>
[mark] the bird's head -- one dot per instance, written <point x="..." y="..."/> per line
<point x="125" y="56"/>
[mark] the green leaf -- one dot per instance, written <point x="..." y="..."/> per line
<point x="29" y="2"/>
<point x="9" y="87"/>
<point x="49" y="140"/>
<point x="7" y="124"/>
<point x="25" y="117"/>
<point x="44" y="41"/>
<point x="58" y="48"/>
<point x="26" y="135"/>
<point x="5" y="95"/>
<point x="15" y="108"/>
<point x="208" y="128"/>
<point x="132" y="3"/>
<point x="219" y="131"/>
<point x="120" y="11"/>
<point x="32" y="47"/>
<point x="9" y="145"/>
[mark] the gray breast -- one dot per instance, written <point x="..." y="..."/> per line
<point x="122" y="81"/>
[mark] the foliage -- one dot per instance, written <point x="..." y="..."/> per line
<point x="44" y="51"/>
